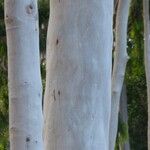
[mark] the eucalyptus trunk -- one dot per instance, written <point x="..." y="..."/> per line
<point x="25" y="88"/>
<point x="77" y="101"/>
<point x="147" y="57"/>
<point x="119" y="66"/>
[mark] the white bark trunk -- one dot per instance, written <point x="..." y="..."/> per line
<point x="78" y="84"/>
<point x="147" y="57"/>
<point x="124" y="113"/>
<point x="25" y="89"/>
<point x="119" y="66"/>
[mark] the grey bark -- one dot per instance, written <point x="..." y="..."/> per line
<point x="77" y="101"/>
<point x="25" y="88"/>
<point x="147" y="57"/>
<point x="119" y="66"/>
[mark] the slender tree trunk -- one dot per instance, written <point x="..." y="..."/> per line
<point x="124" y="113"/>
<point x="120" y="60"/>
<point x="25" y="89"/>
<point x="147" y="57"/>
<point x="78" y="83"/>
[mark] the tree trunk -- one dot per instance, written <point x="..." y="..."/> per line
<point x="119" y="66"/>
<point x="78" y="82"/>
<point x="147" y="57"/>
<point x="25" y="89"/>
<point x="124" y="113"/>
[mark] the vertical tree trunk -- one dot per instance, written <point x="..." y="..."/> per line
<point x="78" y="84"/>
<point x="147" y="57"/>
<point x="120" y="60"/>
<point x="124" y="113"/>
<point x="25" y="89"/>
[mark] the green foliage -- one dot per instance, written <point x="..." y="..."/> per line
<point x="3" y="83"/>
<point x="122" y="135"/>
<point x="135" y="79"/>
<point x="1" y="9"/>
<point x="43" y="11"/>
<point x="43" y="23"/>
<point x="3" y="98"/>
<point x="137" y="108"/>
<point x="3" y="108"/>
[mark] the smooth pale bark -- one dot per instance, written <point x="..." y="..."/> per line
<point x="119" y="66"/>
<point x="78" y="82"/>
<point x="25" y="88"/>
<point x="124" y="113"/>
<point x="147" y="57"/>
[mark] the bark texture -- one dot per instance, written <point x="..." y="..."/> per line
<point x="25" y="88"/>
<point x="78" y="82"/>
<point x="119" y="66"/>
<point x="147" y="57"/>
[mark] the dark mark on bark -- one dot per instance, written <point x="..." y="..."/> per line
<point x="30" y="6"/>
<point x="27" y="139"/>
<point x="30" y="9"/>
<point x="57" y="42"/>
<point x="59" y="93"/>
<point x="54" y="95"/>
<point x="39" y="95"/>
<point x="9" y="19"/>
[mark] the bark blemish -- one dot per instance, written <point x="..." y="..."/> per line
<point x="27" y="139"/>
<point x="57" y="42"/>
<point x="30" y="9"/>
<point x="54" y="95"/>
<point x="28" y="142"/>
<point x="8" y="20"/>
<point x="59" y="93"/>
<point x="13" y="130"/>
<point x="39" y="95"/>
<point x="27" y="84"/>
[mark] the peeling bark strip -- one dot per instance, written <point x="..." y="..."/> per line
<point x="147" y="57"/>
<point x="25" y="88"/>
<point x="78" y="72"/>
<point x="119" y="67"/>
